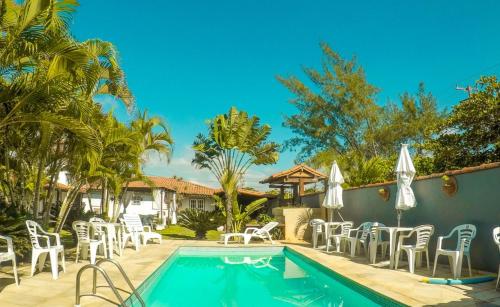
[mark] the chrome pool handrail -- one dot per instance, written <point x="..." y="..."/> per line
<point x="96" y="267"/>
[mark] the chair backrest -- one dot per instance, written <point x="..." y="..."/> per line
<point x="365" y="230"/>
<point x="82" y="230"/>
<point x="316" y="225"/>
<point x="133" y="222"/>
<point x="268" y="227"/>
<point x="373" y="231"/>
<point x="496" y="236"/>
<point x="33" y="233"/>
<point x="345" y="227"/>
<point x="424" y="233"/>
<point x="97" y="219"/>
<point x="466" y="233"/>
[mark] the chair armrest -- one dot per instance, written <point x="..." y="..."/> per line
<point x="10" y="246"/>
<point x="253" y="229"/>
<point x="47" y="239"/>
<point x="55" y="235"/>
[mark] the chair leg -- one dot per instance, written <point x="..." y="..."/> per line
<point x="427" y="259"/>
<point x="435" y="264"/>
<point x="34" y="258"/>
<point x="397" y="259"/>
<point x="498" y="278"/>
<point x="459" y="263"/>
<point x="14" y="268"/>
<point x="77" y="252"/>
<point x="63" y="260"/>
<point x="53" y="264"/>
<point x="93" y="253"/>
<point x="353" y="245"/>
<point x="470" y="267"/>
<point x="411" y="260"/>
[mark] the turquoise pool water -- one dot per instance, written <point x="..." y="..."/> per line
<point x="251" y="277"/>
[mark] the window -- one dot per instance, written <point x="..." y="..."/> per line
<point x="136" y="200"/>
<point x="198" y="204"/>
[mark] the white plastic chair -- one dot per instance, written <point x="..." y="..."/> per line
<point x="261" y="233"/>
<point x="85" y="243"/>
<point x="466" y="233"/>
<point x="345" y="228"/>
<point x="317" y="230"/>
<point x="129" y="236"/>
<point x="496" y="238"/>
<point x="423" y="236"/>
<point x="360" y="237"/>
<point x="9" y="255"/>
<point x="135" y="227"/>
<point x="36" y="232"/>
<point x="376" y="240"/>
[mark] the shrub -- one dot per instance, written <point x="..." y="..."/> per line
<point x="200" y="221"/>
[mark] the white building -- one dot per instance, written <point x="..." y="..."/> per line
<point x="161" y="197"/>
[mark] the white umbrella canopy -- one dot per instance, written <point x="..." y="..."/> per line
<point x="333" y="197"/>
<point x="405" y="172"/>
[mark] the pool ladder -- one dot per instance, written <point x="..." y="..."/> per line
<point x="96" y="267"/>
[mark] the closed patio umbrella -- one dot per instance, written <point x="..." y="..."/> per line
<point x="405" y="171"/>
<point x="333" y="197"/>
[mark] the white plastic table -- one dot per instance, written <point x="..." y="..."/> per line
<point x="393" y="231"/>
<point x="112" y="236"/>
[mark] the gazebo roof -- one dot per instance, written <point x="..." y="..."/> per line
<point x="294" y="175"/>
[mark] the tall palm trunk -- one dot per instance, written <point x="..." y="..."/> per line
<point x="70" y="198"/>
<point x="38" y="187"/>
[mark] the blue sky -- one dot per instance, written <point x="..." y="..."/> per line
<point x="190" y="60"/>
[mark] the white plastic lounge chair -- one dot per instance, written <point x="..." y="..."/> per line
<point x="496" y="238"/>
<point x="465" y="234"/>
<point x="358" y="236"/>
<point x="127" y="236"/>
<point x="423" y="234"/>
<point x="9" y="255"/>
<point x="135" y="227"/>
<point x="376" y="240"/>
<point x="317" y="230"/>
<point x="85" y="243"/>
<point x="345" y="228"/>
<point x="36" y="232"/>
<point x="261" y="233"/>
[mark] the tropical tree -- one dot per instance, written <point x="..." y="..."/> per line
<point x="470" y="135"/>
<point x="234" y="143"/>
<point x="241" y="214"/>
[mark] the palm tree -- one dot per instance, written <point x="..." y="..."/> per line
<point x="234" y="143"/>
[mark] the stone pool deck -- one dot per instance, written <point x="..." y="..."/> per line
<point x="41" y="290"/>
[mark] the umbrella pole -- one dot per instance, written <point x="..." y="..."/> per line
<point x="330" y="215"/>
<point x="399" y="218"/>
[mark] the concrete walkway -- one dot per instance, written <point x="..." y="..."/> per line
<point x="41" y="290"/>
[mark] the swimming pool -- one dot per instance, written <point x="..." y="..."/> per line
<point x="267" y="276"/>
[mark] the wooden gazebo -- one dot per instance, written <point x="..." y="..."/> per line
<point x="294" y="178"/>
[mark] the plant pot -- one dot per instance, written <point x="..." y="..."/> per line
<point x="449" y="185"/>
<point x="384" y="193"/>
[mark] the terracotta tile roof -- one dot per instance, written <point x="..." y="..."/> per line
<point x="59" y="186"/>
<point x="174" y="184"/>
<point x="296" y="168"/>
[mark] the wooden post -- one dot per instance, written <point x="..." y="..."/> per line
<point x="281" y="198"/>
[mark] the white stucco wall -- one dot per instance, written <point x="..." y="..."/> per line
<point x="147" y="204"/>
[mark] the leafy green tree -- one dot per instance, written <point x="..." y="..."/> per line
<point x="337" y="112"/>
<point x="471" y="134"/>
<point x="234" y="143"/>
<point x="338" y="119"/>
